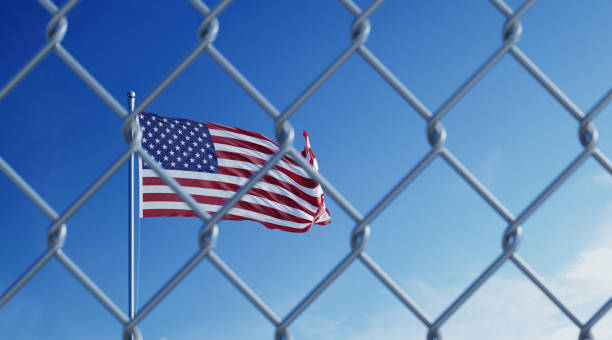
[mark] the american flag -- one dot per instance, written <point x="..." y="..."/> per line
<point x="211" y="162"/>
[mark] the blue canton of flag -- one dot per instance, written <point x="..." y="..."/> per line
<point x="178" y="144"/>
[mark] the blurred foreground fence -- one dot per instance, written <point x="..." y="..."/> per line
<point x="435" y="134"/>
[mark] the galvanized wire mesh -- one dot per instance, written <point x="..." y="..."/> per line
<point x="436" y="136"/>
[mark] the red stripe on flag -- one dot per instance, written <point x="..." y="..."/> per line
<point x="190" y="213"/>
<point x="200" y="183"/>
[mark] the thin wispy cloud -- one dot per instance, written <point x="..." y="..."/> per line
<point x="603" y="178"/>
<point x="491" y="168"/>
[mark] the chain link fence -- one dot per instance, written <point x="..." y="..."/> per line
<point x="436" y="135"/>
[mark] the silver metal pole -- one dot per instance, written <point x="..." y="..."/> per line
<point x="131" y="102"/>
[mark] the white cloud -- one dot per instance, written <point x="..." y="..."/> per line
<point x="392" y="325"/>
<point x="589" y="267"/>
<point x="587" y="281"/>
<point x="314" y="327"/>
<point x="516" y="309"/>
<point x="511" y="308"/>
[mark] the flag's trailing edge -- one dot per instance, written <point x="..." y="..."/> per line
<point x="211" y="162"/>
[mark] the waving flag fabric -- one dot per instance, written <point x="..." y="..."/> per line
<point x="211" y="162"/>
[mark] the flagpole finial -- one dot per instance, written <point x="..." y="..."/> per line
<point x="131" y="100"/>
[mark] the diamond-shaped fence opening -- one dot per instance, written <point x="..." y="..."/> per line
<point x="442" y="211"/>
<point x="436" y="134"/>
<point x="508" y="99"/>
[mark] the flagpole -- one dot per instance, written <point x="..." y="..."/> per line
<point x="131" y="102"/>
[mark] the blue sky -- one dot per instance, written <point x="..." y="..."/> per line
<point x="435" y="238"/>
